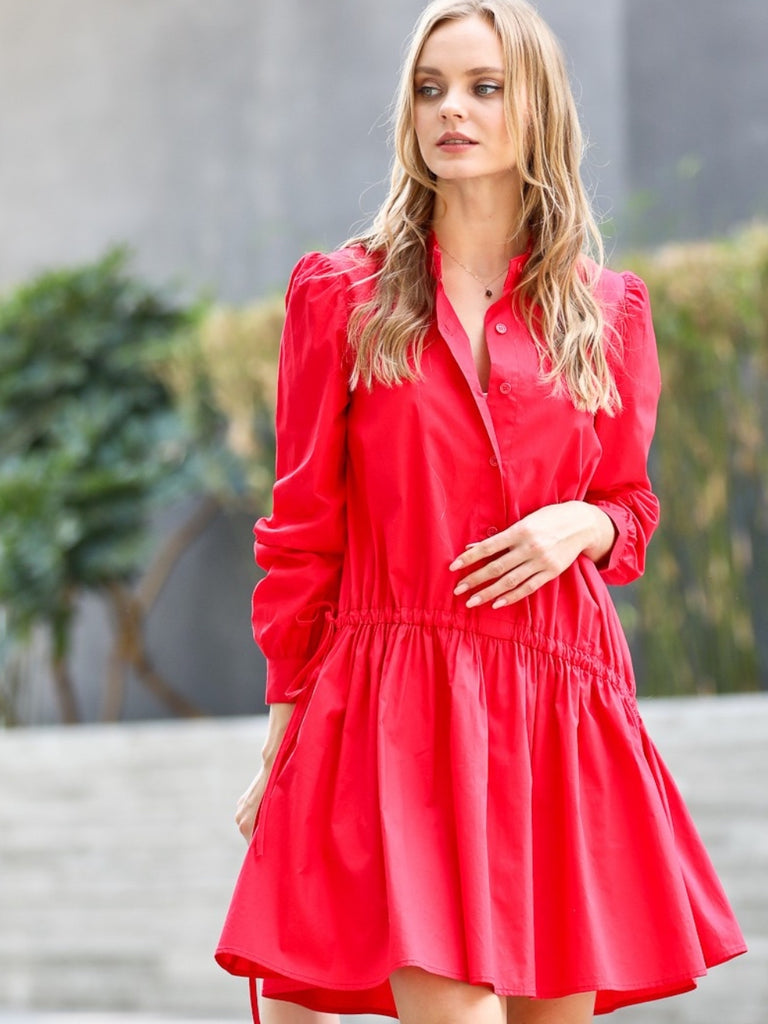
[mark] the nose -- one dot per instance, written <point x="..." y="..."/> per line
<point x="451" y="107"/>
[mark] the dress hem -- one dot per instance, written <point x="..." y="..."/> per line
<point x="650" y="991"/>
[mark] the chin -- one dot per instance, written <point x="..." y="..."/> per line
<point x="462" y="174"/>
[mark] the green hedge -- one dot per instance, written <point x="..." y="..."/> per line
<point x="224" y="376"/>
<point x="698" y="621"/>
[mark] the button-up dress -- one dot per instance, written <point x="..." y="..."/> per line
<point x="468" y="791"/>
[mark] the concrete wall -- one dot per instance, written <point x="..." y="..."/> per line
<point x="223" y="138"/>
<point x="697" y="93"/>
<point x="219" y="138"/>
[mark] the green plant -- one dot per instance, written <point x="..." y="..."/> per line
<point x="224" y="378"/>
<point x="89" y="440"/>
<point x="701" y="618"/>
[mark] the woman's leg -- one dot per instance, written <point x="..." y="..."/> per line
<point x="577" y="1009"/>
<point x="277" y="1011"/>
<point x="423" y="998"/>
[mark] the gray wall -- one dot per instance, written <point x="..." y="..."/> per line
<point x="221" y="138"/>
<point x="697" y="116"/>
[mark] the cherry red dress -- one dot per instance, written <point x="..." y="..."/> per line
<point x="470" y="791"/>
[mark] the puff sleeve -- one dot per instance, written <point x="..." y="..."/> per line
<point x="620" y="485"/>
<point x="301" y="544"/>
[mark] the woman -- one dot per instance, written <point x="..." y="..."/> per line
<point x="464" y="819"/>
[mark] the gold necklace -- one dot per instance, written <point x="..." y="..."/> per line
<point x="486" y="286"/>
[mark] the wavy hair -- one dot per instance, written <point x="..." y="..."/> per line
<point x="556" y="294"/>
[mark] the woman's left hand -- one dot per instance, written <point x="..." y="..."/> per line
<point x="533" y="551"/>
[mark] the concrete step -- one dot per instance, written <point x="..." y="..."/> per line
<point x="118" y="853"/>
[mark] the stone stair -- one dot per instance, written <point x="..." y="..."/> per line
<point x="118" y="853"/>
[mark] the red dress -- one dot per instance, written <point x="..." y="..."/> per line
<point x="470" y="791"/>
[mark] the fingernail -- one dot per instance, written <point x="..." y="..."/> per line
<point x="455" y="565"/>
<point x="461" y="589"/>
<point x="473" y="602"/>
<point x="499" y="603"/>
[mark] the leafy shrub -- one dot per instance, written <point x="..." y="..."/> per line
<point x="701" y="622"/>
<point x="224" y="377"/>
<point x="89" y="437"/>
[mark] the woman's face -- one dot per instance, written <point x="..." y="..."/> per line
<point x="459" y="102"/>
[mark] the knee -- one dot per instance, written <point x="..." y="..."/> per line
<point x="424" y="998"/>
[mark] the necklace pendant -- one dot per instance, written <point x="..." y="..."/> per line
<point x="488" y="293"/>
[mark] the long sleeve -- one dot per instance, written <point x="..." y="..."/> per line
<point x="301" y="544"/>
<point x="620" y="485"/>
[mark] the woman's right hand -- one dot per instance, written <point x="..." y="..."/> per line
<point x="248" y="804"/>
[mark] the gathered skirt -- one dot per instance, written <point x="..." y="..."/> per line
<point x="482" y="803"/>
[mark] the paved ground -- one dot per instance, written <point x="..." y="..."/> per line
<point x="117" y="855"/>
<point x="108" y="1018"/>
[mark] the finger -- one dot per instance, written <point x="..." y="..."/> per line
<point x="505" y="584"/>
<point x="508" y="562"/>
<point x="245" y="825"/>
<point x="525" y="589"/>
<point x="481" y="549"/>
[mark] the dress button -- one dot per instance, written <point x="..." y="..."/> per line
<point x="501" y="328"/>
<point x="505" y="387"/>
<point x="490" y="531"/>
<point x="493" y="461"/>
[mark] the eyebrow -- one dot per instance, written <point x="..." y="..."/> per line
<point x="437" y="73"/>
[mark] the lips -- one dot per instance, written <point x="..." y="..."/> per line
<point x="455" y="139"/>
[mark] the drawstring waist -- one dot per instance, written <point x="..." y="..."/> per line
<point x="483" y="622"/>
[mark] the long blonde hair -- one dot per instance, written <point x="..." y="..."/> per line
<point x="556" y="294"/>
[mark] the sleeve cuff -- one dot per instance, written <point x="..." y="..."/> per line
<point x="610" y="567"/>
<point x="281" y="674"/>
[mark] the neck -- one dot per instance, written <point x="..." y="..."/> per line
<point x="480" y="223"/>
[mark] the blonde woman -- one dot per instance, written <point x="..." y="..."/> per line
<point x="460" y="816"/>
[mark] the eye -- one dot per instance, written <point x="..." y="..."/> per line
<point x="427" y="91"/>
<point x="487" y="88"/>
